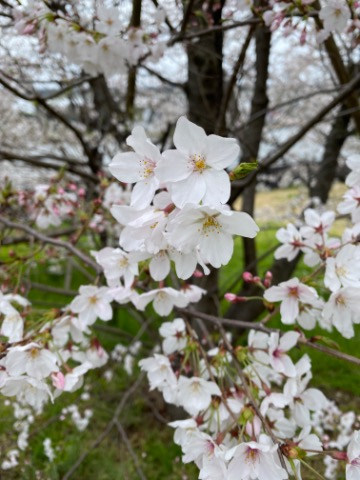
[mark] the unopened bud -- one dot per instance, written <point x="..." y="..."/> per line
<point x="198" y="274"/>
<point x="303" y="37"/>
<point x="268" y="279"/>
<point x="340" y="456"/>
<point x="247" y="415"/>
<point x="231" y="297"/>
<point x="248" y="277"/>
<point x="293" y="452"/>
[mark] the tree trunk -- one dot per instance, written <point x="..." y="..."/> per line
<point x="326" y="172"/>
<point x="251" y="138"/>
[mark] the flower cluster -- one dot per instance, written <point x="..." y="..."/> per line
<point x="108" y="47"/>
<point x="337" y="258"/>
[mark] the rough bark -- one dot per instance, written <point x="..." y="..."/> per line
<point x="205" y="73"/>
<point x="326" y="172"/>
<point x="131" y="86"/>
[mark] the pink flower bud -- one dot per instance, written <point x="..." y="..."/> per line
<point x="303" y="37"/>
<point x="29" y="29"/>
<point x="339" y="456"/>
<point x="198" y="274"/>
<point x="247" y="277"/>
<point x="268" y="279"/>
<point x="231" y="297"/>
<point x="81" y="192"/>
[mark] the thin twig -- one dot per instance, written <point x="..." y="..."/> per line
<point x="130" y="449"/>
<point x="51" y="241"/>
<point x="108" y="428"/>
<point x="241" y="324"/>
<point x="265" y="164"/>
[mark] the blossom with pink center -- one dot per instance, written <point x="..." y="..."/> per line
<point x="174" y="334"/>
<point x="255" y="460"/>
<point x="317" y="225"/>
<point x="290" y="294"/>
<point x="292" y="242"/>
<point x="351" y="203"/>
<point x="278" y="347"/>
<point x="194" y="172"/>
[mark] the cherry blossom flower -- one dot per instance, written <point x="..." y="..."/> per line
<point x="33" y="391"/>
<point x="74" y="380"/>
<point x="335" y="15"/>
<point x="353" y="454"/>
<point x="210" y="230"/>
<point x="342" y="310"/>
<point x="197" y="446"/>
<point x="255" y="460"/>
<point x="351" y="203"/>
<point x="344" y="269"/>
<point x="317" y="225"/>
<point x="174" y="334"/>
<point x="144" y="229"/>
<point x="138" y="167"/>
<point x="278" y="347"/>
<point x="353" y="162"/>
<point x="213" y="468"/>
<point x="108" y="20"/>
<point x="195" y="393"/>
<point x="164" y="300"/>
<point x="194" y="172"/>
<point x="13" y="327"/>
<point x="117" y="264"/>
<point x="31" y="359"/>
<point x="92" y="303"/>
<point x="290" y="294"/>
<point x="302" y="400"/>
<point x="159" y="371"/>
<point x="292" y="242"/>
